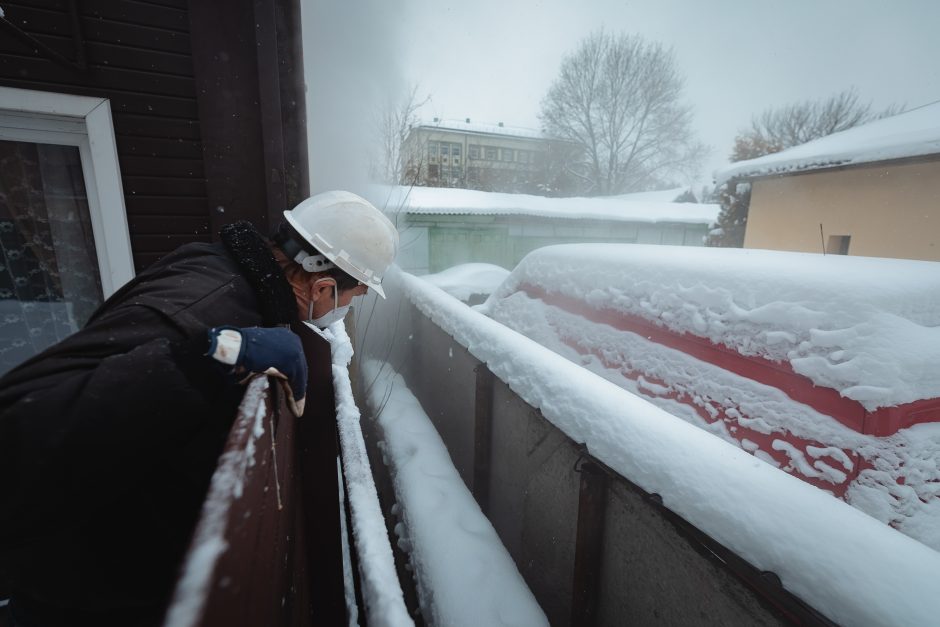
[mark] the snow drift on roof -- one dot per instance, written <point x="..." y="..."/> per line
<point x="911" y="134"/>
<point x="452" y="201"/>
<point x="487" y="129"/>
<point x="867" y="327"/>
<point x="661" y="195"/>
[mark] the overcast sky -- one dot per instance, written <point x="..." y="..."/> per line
<point x="493" y="60"/>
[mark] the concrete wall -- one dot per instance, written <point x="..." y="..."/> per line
<point x="652" y="575"/>
<point x="533" y="499"/>
<point x="648" y="567"/>
<point x="888" y="210"/>
<point x="441" y="368"/>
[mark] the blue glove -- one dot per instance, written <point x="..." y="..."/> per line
<point x="273" y="351"/>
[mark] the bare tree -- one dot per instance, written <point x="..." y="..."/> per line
<point x="618" y="99"/>
<point x="794" y="124"/>
<point x="395" y="121"/>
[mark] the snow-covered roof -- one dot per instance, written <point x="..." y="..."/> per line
<point x="452" y="201"/>
<point x="660" y="195"/>
<point x="864" y="326"/>
<point x="913" y="133"/>
<point x="483" y="128"/>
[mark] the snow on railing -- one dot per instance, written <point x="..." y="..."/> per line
<point x="452" y="546"/>
<point x="227" y="486"/>
<point x="381" y="589"/>
<point x="249" y="562"/>
<point x="845" y="564"/>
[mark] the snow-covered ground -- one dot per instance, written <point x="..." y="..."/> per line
<point x="453" y="549"/>
<point x="842" y="562"/>
<point x="869" y="328"/>
<point x="469" y="279"/>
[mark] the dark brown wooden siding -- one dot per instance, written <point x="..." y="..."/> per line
<point x="137" y="54"/>
<point x="208" y="103"/>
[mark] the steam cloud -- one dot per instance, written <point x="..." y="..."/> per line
<point x="351" y="66"/>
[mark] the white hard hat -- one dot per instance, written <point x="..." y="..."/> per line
<point x="349" y="232"/>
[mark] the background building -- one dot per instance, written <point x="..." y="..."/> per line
<point x="441" y="228"/>
<point x="488" y="157"/>
<point x="873" y="190"/>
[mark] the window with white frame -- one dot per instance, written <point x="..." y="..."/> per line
<point x="64" y="243"/>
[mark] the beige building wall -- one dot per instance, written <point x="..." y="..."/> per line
<point x="888" y="210"/>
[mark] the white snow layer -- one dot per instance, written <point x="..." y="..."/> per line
<point x="349" y="578"/>
<point x="909" y="134"/>
<point x="469" y="279"/>
<point x="453" y="201"/>
<point x="453" y="548"/>
<point x="483" y="128"/>
<point x="661" y="195"/>
<point x="842" y="562"/>
<point x="901" y="489"/>
<point x="867" y="327"/>
<point x="381" y="590"/>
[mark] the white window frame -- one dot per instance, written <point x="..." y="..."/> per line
<point x="51" y="118"/>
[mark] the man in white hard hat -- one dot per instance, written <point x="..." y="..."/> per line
<point x="331" y="238"/>
<point x="108" y="439"/>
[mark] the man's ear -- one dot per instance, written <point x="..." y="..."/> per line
<point x="322" y="288"/>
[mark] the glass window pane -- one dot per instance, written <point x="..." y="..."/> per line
<point x="49" y="282"/>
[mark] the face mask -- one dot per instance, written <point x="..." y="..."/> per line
<point x="337" y="313"/>
<point x="330" y="317"/>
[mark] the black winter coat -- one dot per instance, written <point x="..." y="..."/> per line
<point x="108" y="439"/>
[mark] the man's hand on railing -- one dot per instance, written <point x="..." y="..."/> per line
<point x="273" y="351"/>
